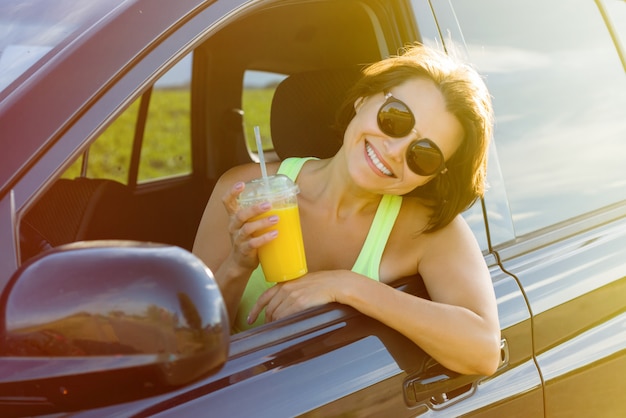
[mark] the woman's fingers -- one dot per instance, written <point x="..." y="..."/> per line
<point x="263" y="300"/>
<point x="277" y="302"/>
<point x="246" y="226"/>
<point x="253" y="230"/>
<point x="281" y="304"/>
<point x="294" y="296"/>
<point x="230" y="198"/>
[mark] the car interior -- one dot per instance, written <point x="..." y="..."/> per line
<point x="319" y="46"/>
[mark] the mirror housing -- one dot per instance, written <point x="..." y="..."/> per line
<point x="96" y="323"/>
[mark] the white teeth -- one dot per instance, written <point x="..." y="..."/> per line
<point x="376" y="161"/>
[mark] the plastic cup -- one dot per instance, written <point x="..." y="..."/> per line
<point x="282" y="258"/>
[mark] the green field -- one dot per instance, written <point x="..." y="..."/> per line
<point x="166" y="148"/>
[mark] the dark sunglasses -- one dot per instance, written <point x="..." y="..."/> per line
<point x="396" y="120"/>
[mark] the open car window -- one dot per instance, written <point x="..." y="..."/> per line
<point x="150" y="140"/>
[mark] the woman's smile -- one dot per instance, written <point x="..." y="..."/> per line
<point x="376" y="162"/>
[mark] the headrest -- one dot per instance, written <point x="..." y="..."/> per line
<point x="303" y="112"/>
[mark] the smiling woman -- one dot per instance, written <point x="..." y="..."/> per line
<point x="465" y="99"/>
<point x="392" y="109"/>
<point x="151" y="100"/>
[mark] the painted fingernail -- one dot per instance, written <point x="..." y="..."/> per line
<point x="273" y="233"/>
<point x="273" y="219"/>
<point x="249" y="320"/>
<point x="239" y="185"/>
<point x="266" y="206"/>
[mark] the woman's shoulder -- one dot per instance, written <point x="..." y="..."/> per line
<point x="412" y="226"/>
<point x="247" y="172"/>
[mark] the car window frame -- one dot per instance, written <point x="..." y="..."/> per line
<point x="113" y="99"/>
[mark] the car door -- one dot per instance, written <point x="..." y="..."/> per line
<point x="331" y="360"/>
<point x="556" y="71"/>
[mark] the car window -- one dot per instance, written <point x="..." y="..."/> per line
<point x="559" y="97"/>
<point x="165" y="132"/>
<point x="256" y="102"/>
<point x="109" y="156"/>
<point x="166" y="148"/>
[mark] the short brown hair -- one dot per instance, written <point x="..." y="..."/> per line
<point x="466" y="97"/>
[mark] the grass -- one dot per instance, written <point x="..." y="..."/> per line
<point x="166" y="149"/>
<point x="256" y="105"/>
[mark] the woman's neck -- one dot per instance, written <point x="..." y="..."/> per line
<point x="328" y="184"/>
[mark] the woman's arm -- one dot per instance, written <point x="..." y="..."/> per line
<point x="463" y="331"/>
<point x="224" y="239"/>
<point x="453" y="334"/>
<point x="459" y="327"/>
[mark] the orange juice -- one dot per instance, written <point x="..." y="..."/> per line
<point x="283" y="258"/>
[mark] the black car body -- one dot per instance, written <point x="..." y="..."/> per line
<point x="552" y="224"/>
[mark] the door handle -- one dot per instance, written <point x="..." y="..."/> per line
<point x="504" y="354"/>
<point x="435" y="385"/>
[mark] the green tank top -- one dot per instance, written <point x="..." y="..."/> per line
<point x="367" y="263"/>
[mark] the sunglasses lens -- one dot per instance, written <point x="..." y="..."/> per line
<point x="424" y="157"/>
<point x="395" y="119"/>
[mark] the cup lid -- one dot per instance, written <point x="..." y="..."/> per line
<point x="268" y="188"/>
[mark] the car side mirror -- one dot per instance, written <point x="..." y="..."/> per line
<point x="97" y="323"/>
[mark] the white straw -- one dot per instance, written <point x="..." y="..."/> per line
<point x="259" y="149"/>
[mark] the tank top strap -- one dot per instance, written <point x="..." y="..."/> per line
<point x="368" y="261"/>
<point x="291" y="166"/>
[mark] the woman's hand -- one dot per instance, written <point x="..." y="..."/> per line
<point x="226" y="240"/>
<point x="287" y="298"/>
<point x="244" y="227"/>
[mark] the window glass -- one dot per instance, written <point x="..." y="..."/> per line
<point x="256" y="102"/>
<point x="559" y="93"/>
<point x="109" y="156"/>
<point x="166" y="145"/>
<point x="474" y="218"/>
<point x="166" y="148"/>
<point x="616" y="10"/>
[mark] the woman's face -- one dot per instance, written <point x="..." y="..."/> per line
<point x="376" y="161"/>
